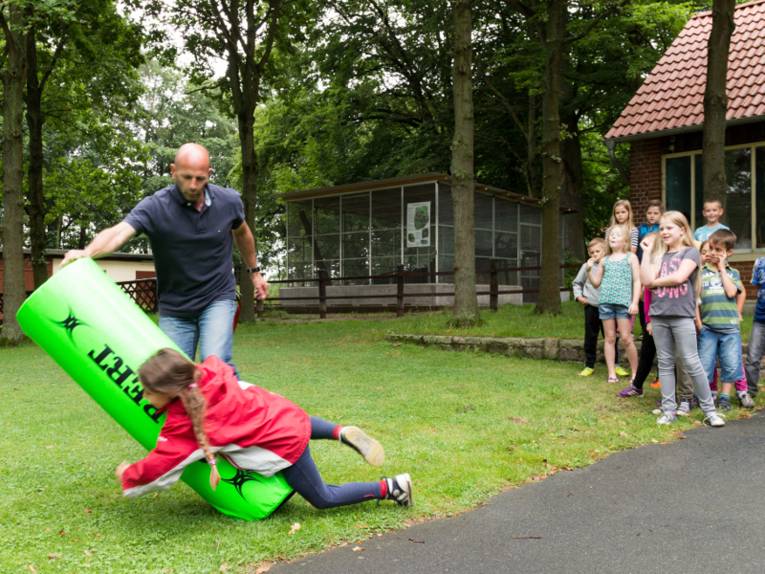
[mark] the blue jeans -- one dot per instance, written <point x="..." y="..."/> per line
<point x="212" y="329"/>
<point x="754" y="356"/>
<point x="607" y="311"/>
<point x="726" y="347"/>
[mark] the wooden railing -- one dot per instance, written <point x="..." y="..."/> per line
<point x="400" y="278"/>
<point x="143" y="292"/>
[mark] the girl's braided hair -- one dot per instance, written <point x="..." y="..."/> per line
<point x="169" y="373"/>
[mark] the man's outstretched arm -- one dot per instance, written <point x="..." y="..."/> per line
<point x="107" y="241"/>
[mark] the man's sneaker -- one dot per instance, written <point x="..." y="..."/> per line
<point x="365" y="445"/>
<point x="400" y="489"/>
<point x="684" y="409"/>
<point x="724" y="403"/>
<point x="665" y="419"/>
<point x="745" y="400"/>
<point x="586" y="372"/>
<point x="714" y="420"/>
<point x="621" y="371"/>
<point x="631" y="391"/>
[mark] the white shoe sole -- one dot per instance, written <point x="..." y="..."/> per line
<point x="720" y="423"/>
<point x="405" y="482"/>
<point x="369" y="448"/>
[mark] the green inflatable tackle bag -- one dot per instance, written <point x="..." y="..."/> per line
<point x="92" y="329"/>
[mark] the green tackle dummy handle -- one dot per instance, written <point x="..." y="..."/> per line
<point x="95" y="332"/>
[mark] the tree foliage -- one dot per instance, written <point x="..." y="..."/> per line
<point x="292" y="95"/>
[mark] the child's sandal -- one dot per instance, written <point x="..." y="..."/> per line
<point x="613" y="379"/>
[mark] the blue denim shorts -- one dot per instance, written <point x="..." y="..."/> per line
<point x="725" y="347"/>
<point x="607" y="311"/>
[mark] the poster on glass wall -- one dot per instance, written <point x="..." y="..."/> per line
<point x="418" y="224"/>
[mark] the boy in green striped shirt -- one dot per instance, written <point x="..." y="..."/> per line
<point x="717" y="316"/>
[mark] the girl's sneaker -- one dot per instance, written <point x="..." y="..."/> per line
<point x="656" y="384"/>
<point x="745" y="400"/>
<point x="586" y="372"/>
<point x="666" y="419"/>
<point x="684" y="409"/>
<point x="400" y="489"/>
<point x="631" y="391"/>
<point x="362" y="443"/>
<point x="621" y="371"/>
<point x="714" y="420"/>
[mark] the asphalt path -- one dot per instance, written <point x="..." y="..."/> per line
<point x="694" y="505"/>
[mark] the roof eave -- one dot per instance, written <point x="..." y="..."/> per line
<point x="681" y="130"/>
<point x="380" y="184"/>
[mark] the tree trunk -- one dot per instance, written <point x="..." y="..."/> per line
<point x="246" y="119"/>
<point x="716" y="101"/>
<point x="532" y="171"/>
<point x="37" y="236"/>
<point x="552" y="173"/>
<point x="13" y="204"/>
<point x="571" y="196"/>
<point x="463" y="184"/>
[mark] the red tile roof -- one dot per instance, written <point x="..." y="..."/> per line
<point x="672" y="97"/>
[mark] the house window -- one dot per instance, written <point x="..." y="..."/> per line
<point x="738" y="204"/>
<point x="745" y="199"/>
<point x="678" y="184"/>
<point x="760" y="196"/>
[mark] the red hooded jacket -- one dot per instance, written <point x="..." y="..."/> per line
<point x="253" y="428"/>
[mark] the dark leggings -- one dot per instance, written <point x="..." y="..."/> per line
<point x="647" y="353"/>
<point x="304" y="477"/>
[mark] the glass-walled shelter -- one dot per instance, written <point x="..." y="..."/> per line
<point x="360" y="232"/>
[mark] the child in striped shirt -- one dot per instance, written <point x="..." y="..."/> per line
<point x="717" y="317"/>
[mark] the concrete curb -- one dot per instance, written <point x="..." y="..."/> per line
<point x="537" y="348"/>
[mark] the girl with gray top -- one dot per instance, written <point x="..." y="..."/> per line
<point x="670" y="270"/>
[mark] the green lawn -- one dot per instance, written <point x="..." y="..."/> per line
<point x="466" y="425"/>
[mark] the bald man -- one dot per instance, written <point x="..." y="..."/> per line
<point x="191" y="226"/>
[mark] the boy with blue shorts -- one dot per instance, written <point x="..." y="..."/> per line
<point x="718" y="318"/>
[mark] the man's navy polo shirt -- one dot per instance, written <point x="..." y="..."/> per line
<point x="192" y="249"/>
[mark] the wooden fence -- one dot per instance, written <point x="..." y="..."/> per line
<point x="144" y="291"/>
<point x="400" y="278"/>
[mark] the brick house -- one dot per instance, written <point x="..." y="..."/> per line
<point x="663" y="125"/>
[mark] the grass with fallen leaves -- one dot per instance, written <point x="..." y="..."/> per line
<point x="466" y="426"/>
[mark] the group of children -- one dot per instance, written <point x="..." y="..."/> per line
<point x="689" y="302"/>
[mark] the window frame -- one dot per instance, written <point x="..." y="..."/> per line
<point x="753" y="146"/>
<point x="520" y="224"/>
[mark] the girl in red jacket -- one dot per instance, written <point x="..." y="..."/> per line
<point x="210" y="412"/>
